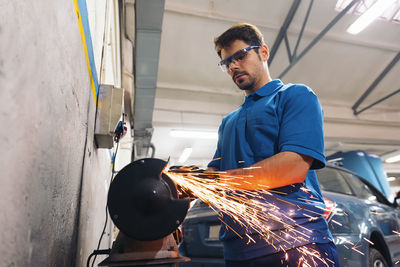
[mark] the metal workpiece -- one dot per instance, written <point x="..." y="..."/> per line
<point x="143" y="202"/>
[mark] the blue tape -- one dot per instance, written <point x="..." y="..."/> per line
<point x="89" y="46"/>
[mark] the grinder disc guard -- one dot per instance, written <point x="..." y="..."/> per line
<point x="143" y="203"/>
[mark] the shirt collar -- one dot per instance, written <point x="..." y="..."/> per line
<point x="267" y="89"/>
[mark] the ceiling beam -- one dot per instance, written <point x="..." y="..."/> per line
<point x="373" y="86"/>
<point x="283" y="31"/>
<point x="302" y="28"/>
<point x="225" y="17"/>
<point x="149" y="17"/>
<point x="318" y="38"/>
<point x="377" y="102"/>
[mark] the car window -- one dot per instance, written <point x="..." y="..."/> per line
<point x="331" y="180"/>
<point x="361" y="190"/>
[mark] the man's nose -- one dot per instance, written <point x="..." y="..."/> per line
<point x="233" y="66"/>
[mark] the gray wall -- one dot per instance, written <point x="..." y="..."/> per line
<point x="53" y="179"/>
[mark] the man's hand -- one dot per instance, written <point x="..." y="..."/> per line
<point x="195" y="171"/>
<point x="211" y="169"/>
<point x="192" y="171"/>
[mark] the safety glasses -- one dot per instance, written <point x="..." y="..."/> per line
<point x="237" y="57"/>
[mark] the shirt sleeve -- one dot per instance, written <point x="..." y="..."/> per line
<point x="301" y="124"/>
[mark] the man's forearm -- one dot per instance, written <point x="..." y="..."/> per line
<point x="282" y="169"/>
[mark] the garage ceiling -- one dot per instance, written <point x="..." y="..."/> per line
<point x="192" y="93"/>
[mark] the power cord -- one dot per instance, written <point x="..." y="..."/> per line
<point x="96" y="252"/>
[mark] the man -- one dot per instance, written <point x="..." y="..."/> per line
<point x="278" y="132"/>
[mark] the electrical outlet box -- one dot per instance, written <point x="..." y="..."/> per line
<point x="109" y="113"/>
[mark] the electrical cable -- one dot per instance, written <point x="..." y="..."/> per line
<point x="97" y="252"/>
<point x="116" y="139"/>
<point x="105" y="223"/>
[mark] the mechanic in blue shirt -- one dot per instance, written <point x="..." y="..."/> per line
<point x="279" y="130"/>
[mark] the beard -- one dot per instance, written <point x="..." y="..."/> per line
<point x="242" y="83"/>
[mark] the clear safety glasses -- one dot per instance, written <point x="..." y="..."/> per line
<point x="235" y="58"/>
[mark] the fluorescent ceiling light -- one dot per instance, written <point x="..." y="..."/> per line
<point x="372" y="13"/>
<point x="393" y="159"/>
<point x="391" y="179"/>
<point x="194" y="134"/>
<point x="185" y="155"/>
<point x="391" y="14"/>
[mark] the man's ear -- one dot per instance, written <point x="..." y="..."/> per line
<point x="264" y="52"/>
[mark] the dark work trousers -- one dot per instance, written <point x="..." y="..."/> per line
<point x="294" y="258"/>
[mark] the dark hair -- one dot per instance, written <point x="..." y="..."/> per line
<point x="246" y="32"/>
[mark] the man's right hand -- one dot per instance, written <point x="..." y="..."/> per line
<point x="209" y="173"/>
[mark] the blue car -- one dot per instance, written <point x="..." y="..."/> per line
<point x="364" y="224"/>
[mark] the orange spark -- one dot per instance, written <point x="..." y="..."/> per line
<point x="249" y="209"/>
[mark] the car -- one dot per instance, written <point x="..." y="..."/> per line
<point x="364" y="224"/>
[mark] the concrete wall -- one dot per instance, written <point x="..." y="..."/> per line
<point x="53" y="179"/>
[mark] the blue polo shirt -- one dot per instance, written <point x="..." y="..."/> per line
<point x="274" y="119"/>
